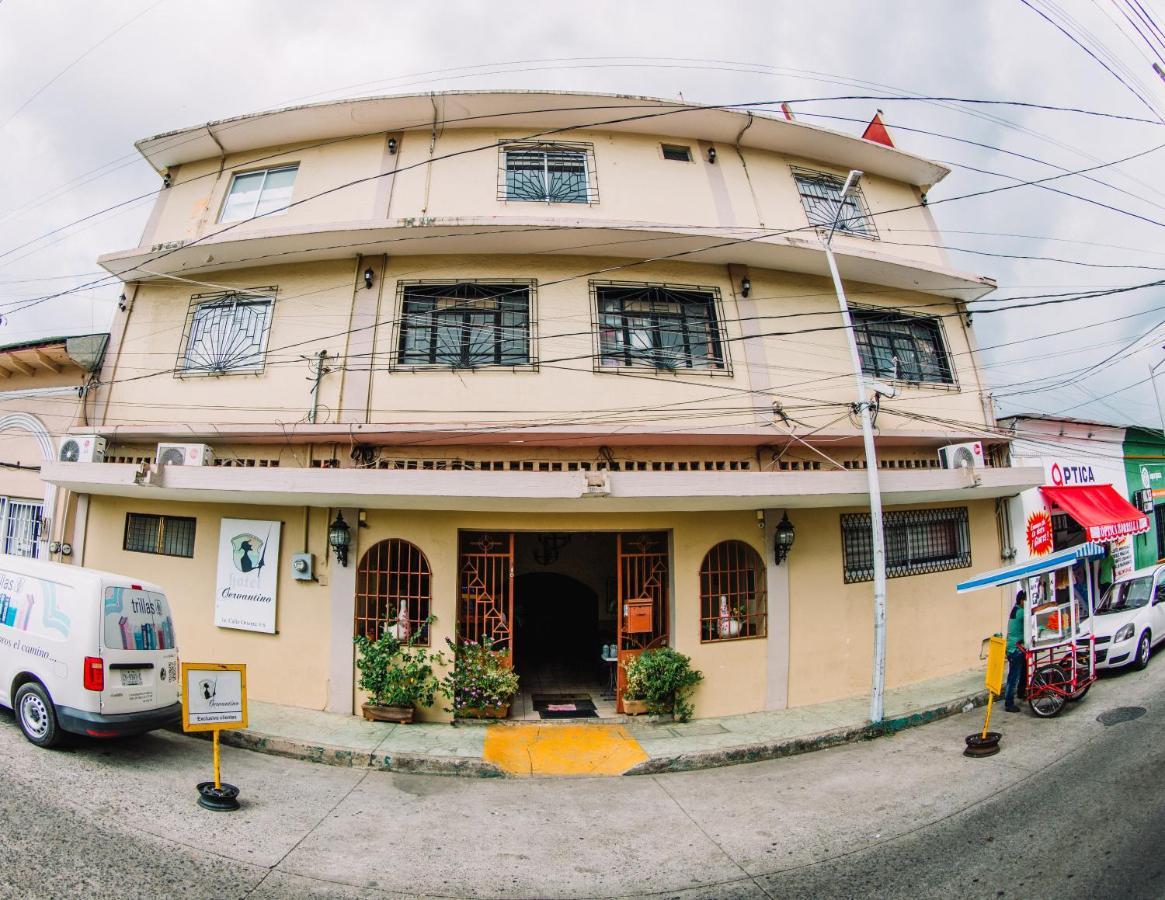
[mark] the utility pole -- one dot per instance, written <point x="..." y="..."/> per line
<point x="877" y="536"/>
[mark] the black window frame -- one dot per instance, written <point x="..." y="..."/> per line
<point x="185" y="527"/>
<point x="902" y="336"/>
<point x="414" y="318"/>
<point x="556" y="159"/>
<point x="817" y="190"/>
<point x="679" y="152"/>
<point x="940" y="541"/>
<point x="655" y="300"/>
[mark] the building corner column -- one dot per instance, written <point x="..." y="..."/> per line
<point x="777" y="584"/>
<point x="342" y="602"/>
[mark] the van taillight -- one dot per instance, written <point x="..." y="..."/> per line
<point x="94" y="674"/>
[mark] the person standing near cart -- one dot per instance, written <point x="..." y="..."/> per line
<point x="1016" y="661"/>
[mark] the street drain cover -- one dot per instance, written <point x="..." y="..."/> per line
<point x="1120" y="714"/>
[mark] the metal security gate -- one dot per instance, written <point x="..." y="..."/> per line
<point x="485" y="600"/>
<point x="22" y="528"/>
<point x="642" y="579"/>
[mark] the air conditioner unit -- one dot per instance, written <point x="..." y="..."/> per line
<point x="83" y="448"/>
<point x="184" y="455"/>
<point x="962" y="456"/>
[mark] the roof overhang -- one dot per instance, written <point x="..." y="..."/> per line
<point x="533" y="491"/>
<point x="535" y="113"/>
<point x="76" y="355"/>
<point x="858" y="260"/>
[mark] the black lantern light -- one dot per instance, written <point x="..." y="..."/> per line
<point x="339" y="536"/>
<point x="368" y="273"/>
<point x="745" y="286"/>
<point x="783" y="541"/>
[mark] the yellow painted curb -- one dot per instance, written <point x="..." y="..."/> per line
<point x="544" y="749"/>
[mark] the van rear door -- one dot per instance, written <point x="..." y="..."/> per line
<point x="141" y="659"/>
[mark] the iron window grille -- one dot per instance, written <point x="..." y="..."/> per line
<point x="676" y="152"/>
<point x="466" y="324"/>
<point x="901" y="347"/>
<point x="548" y="173"/>
<point x="259" y="193"/>
<point x="659" y="326"/>
<point x="394" y="588"/>
<point x="163" y="535"/>
<point x="21" y="526"/>
<point x="820" y="195"/>
<point x="918" y="542"/>
<point x="733" y="604"/>
<point x="226" y="332"/>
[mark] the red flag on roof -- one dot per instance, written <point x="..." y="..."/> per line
<point x="876" y="131"/>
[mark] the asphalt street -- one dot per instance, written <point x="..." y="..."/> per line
<point x="1070" y="808"/>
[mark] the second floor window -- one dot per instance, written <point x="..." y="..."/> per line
<point x="551" y="173"/>
<point x="902" y="347"/>
<point x="257" y="193"/>
<point x="660" y="326"/>
<point x="164" y="535"/>
<point x="821" y="194"/>
<point x="226" y="333"/>
<point x="465" y="324"/>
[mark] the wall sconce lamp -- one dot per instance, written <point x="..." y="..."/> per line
<point x="368" y="273"/>
<point x="783" y="541"/>
<point x="745" y="286"/>
<point x="712" y="155"/>
<point x="339" y="537"/>
<point x="392" y="146"/>
<point x="121" y="302"/>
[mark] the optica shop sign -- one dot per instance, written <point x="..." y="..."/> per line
<point x="1061" y="475"/>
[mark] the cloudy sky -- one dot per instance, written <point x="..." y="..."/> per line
<point x="81" y="81"/>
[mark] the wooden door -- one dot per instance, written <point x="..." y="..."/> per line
<point x="641" y="570"/>
<point x="485" y="604"/>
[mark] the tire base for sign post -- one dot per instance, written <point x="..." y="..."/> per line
<point x="220" y="799"/>
<point x="979" y="746"/>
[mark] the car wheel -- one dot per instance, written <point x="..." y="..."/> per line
<point x="36" y="716"/>
<point x="1144" y="650"/>
<point x="1042" y="697"/>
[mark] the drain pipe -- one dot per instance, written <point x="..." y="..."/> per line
<point x="744" y="165"/>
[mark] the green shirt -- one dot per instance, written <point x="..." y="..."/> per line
<point x="1014" y="629"/>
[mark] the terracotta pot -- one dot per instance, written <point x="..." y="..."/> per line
<point x="373" y="712"/>
<point x="634" y="707"/>
<point x="485" y="712"/>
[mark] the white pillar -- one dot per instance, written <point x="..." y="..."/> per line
<point x="777" y="584"/>
<point x="342" y="593"/>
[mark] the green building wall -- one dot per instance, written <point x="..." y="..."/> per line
<point x="1145" y="468"/>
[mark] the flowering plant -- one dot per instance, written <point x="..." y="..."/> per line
<point x="479" y="678"/>
<point x="395" y="672"/>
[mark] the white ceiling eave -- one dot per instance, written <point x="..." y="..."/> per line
<point x="537" y="113"/>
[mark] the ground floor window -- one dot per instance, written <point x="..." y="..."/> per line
<point x="164" y="535"/>
<point x="732" y="593"/>
<point x="20" y="525"/>
<point x="394" y="590"/>
<point x="918" y="542"/>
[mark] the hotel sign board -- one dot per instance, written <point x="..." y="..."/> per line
<point x="214" y="696"/>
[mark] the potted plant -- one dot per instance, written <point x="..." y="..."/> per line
<point x="398" y="675"/>
<point x="634" y="690"/>
<point x="663" y="678"/>
<point x="481" y="683"/>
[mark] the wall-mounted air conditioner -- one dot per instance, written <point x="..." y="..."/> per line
<point x="184" y="455"/>
<point x="82" y="448"/>
<point x="961" y="456"/>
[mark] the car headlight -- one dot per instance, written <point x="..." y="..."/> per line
<point x="1123" y="633"/>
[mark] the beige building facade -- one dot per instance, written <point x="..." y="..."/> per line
<point x="551" y="357"/>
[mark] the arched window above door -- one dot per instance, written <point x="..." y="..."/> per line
<point x="733" y="603"/>
<point x="394" y="590"/>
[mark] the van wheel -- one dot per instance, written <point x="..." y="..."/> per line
<point x="36" y="716"/>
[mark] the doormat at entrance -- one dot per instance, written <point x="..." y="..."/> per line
<point x="567" y="706"/>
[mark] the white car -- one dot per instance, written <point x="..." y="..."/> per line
<point x="1130" y="619"/>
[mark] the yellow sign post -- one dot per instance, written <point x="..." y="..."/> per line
<point x="980" y="744"/>
<point x="214" y="697"/>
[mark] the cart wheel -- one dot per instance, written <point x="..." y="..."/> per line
<point x="1044" y="701"/>
<point x="1080" y="692"/>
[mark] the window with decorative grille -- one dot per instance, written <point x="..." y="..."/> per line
<point x="902" y="347"/>
<point x="821" y="194"/>
<point x="262" y="193"/>
<point x="549" y="173"/>
<point x="394" y="591"/>
<point x="676" y="152"/>
<point x="226" y="332"/>
<point x="659" y="326"/>
<point x="164" y="535"/>
<point x="465" y="324"/>
<point x="733" y="603"/>
<point x="20" y="525"/>
<point x="918" y="542"/>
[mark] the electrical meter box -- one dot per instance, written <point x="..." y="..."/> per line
<point x="303" y="567"/>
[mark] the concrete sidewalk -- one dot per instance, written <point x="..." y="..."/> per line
<point x="463" y="749"/>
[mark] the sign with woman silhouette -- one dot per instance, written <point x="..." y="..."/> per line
<point x="248" y="575"/>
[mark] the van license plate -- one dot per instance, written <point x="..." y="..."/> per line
<point x="130" y="677"/>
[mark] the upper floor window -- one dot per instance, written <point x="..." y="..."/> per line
<point x="256" y="193"/>
<point x="550" y="173"/>
<point x="657" y="325"/>
<point x="165" y="535"/>
<point x="226" y="332"/>
<point x="821" y="194"/>
<point x="917" y="542"/>
<point x="465" y="324"/>
<point x="677" y="152"/>
<point x="900" y="346"/>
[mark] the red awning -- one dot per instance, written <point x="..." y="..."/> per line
<point x="1104" y="514"/>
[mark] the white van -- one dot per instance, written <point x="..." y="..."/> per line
<point x="84" y="651"/>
